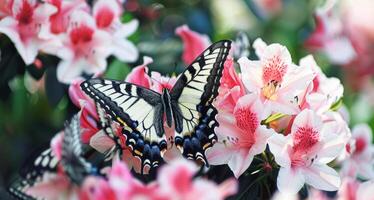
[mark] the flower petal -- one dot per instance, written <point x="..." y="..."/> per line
<point x="322" y="177"/>
<point x="284" y="182"/>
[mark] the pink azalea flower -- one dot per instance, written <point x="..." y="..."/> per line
<point x="60" y="20"/>
<point x="107" y="14"/>
<point x="85" y="48"/>
<point x="352" y="189"/>
<point x="240" y="135"/>
<point x="231" y="88"/>
<point x="328" y="37"/>
<point x="194" y="43"/>
<point x="177" y="181"/>
<point x="304" y="153"/>
<point x="28" y="27"/>
<point x="275" y="78"/>
<point x="139" y="75"/>
<point x="325" y="91"/>
<point x="95" y="188"/>
<point x="361" y="150"/>
<point x="127" y="187"/>
<point x="338" y="125"/>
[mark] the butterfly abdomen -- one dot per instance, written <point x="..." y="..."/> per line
<point x="166" y="102"/>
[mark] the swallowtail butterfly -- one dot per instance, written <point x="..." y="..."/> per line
<point x="72" y="162"/>
<point x="188" y="106"/>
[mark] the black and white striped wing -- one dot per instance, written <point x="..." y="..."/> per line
<point x="32" y="173"/>
<point x="192" y="97"/>
<point x="72" y="160"/>
<point x="138" y="110"/>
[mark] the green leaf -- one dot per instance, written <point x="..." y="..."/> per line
<point x="337" y="105"/>
<point x="117" y="70"/>
<point x="272" y="118"/>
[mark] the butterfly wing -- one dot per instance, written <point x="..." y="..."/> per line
<point x="140" y="113"/>
<point x="33" y="172"/>
<point x="192" y="97"/>
<point x="73" y="163"/>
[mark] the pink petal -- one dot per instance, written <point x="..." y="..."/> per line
<point x="106" y="12"/>
<point x="194" y="43"/>
<point x="101" y="142"/>
<point x="219" y="154"/>
<point x="228" y="187"/>
<point x="307" y="118"/>
<point x="139" y="74"/>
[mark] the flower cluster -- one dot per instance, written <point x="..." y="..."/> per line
<point x="284" y="115"/>
<point x="344" y="33"/>
<point x="81" y="36"/>
<point x="174" y="181"/>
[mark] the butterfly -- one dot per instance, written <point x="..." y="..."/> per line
<point x="75" y="166"/>
<point x="188" y="106"/>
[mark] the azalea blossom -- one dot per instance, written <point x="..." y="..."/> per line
<point x="304" y="153"/>
<point x="361" y="153"/>
<point x="85" y="48"/>
<point x="194" y="43"/>
<point x="231" y="87"/>
<point x="275" y="78"/>
<point x="240" y="135"/>
<point x="60" y="20"/>
<point x="344" y="33"/>
<point x="176" y="180"/>
<point x="28" y="27"/>
<point x="353" y="189"/>
<point x="325" y="91"/>
<point x="107" y="14"/>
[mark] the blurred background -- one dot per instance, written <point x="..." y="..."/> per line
<point x="34" y="105"/>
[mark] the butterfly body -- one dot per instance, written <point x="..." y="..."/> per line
<point x="187" y="107"/>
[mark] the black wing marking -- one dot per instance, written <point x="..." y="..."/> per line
<point x="32" y="173"/>
<point x="138" y="110"/>
<point x="72" y="160"/>
<point x="192" y="98"/>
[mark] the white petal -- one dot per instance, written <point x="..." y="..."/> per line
<point x="307" y="118"/>
<point x="322" y="177"/>
<point x="28" y="51"/>
<point x="127" y="29"/>
<point x="251" y="74"/>
<point x="219" y="154"/>
<point x="262" y="136"/>
<point x="332" y="147"/>
<point x="125" y="50"/>
<point x="68" y="70"/>
<point x="278" y="145"/>
<point x="290" y="181"/>
<point x="240" y="162"/>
